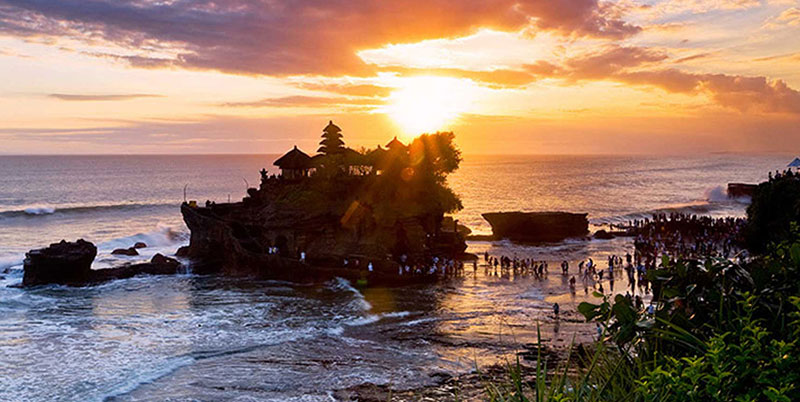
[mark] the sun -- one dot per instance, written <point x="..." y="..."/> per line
<point x="428" y="104"/>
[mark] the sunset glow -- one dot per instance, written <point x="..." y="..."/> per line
<point x="199" y="77"/>
<point x="428" y="104"/>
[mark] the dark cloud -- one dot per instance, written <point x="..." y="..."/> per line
<point x="639" y="66"/>
<point x="94" y="97"/>
<point x="291" y="37"/>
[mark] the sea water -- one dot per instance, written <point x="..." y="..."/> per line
<point x="200" y="337"/>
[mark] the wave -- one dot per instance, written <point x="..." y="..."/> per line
<point x="342" y="284"/>
<point x="715" y="199"/>
<point x="10" y="261"/>
<point x="163" y="236"/>
<point x="38" y="210"/>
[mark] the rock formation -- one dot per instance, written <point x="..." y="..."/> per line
<point x="125" y="251"/>
<point x="62" y="263"/>
<point x="537" y="227"/>
<point x="377" y="207"/>
<point x="70" y="263"/>
<point x="736" y="190"/>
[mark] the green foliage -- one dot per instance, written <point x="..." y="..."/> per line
<point x="412" y="182"/>
<point x="747" y="363"/>
<point x="721" y="330"/>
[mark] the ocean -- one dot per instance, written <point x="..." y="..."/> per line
<point x="209" y="338"/>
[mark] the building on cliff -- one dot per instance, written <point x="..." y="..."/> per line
<point x="380" y="206"/>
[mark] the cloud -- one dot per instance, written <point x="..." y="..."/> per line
<point x="305" y="101"/>
<point x="788" y="18"/>
<point x="693" y="57"/>
<point x="350" y="89"/>
<point x="638" y="66"/>
<point x="292" y="37"/>
<point x="111" y="97"/>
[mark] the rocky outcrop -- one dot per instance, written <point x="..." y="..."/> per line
<point x="125" y="251"/>
<point x="140" y="244"/>
<point x="62" y="263"/>
<point x="537" y="227"/>
<point x="257" y="240"/>
<point x="70" y="263"/>
<point x="158" y="265"/>
<point x="602" y="234"/>
<point x="736" y="190"/>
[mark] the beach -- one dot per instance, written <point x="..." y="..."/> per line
<point x="207" y="337"/>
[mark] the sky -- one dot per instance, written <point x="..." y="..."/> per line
<point x="508" y="77"/>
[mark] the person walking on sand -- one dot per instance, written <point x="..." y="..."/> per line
<point x="556" y="309"/>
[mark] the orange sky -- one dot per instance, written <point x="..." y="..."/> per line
<point x="528" y="76"/>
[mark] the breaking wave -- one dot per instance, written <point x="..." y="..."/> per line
<point x="715" y="202"/>
<point x="38" y="210"/>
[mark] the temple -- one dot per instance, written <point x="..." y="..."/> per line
<point x="337" y="212"/>
<point x="333" y="157"/>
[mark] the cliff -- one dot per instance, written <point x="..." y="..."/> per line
<point x="304" y="231"/>
<point x="537" y="227"/>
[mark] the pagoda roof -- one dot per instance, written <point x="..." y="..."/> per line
<point x="294" y="159"/>
<point x="331" y="128"/>
<point x="395" y="143"/>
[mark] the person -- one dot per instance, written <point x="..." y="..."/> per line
<point x="302" y="256"/>
<point x="599" y="330"/>
<point x="369" y="266"/>
<point x="555" y="309"/>
<point x="572" y="282"/>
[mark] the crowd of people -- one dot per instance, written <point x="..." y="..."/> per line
<point x="686" y="236"/>
<point x="589" y="273"/>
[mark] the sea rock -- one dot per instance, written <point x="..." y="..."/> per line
<point x="140" y="245"/>
<point x="736" y="190"/>
<point x="603" y="235"/>
<point x="67" y="263"/>
<point x="537" y="227"/>
<point x="63" y="263"/>
<point x="182" y="251"/>
<point x="125" y="251"/>
<point x="158" y="265"/>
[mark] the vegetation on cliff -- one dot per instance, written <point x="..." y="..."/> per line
<point x="391" y="184"/>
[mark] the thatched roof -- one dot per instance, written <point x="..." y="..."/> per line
<point x="294" y="159"/>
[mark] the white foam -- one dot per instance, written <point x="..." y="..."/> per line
<point x="717" y="194"/>
<point x="372" y="318"/>
<point x="10" y="260"/>
<point x="344" y="284"/>
<point x="163" y="236"/>
<point x="39" y="210"/>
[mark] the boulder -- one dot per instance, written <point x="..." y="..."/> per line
<point x="182" y="251"/>
<point x="537" y="227"/>
<point x="140" y="245"/>
<point x="603" y="235"/>
<point x="125" y="251"/>
<point x="62" y="263"/>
